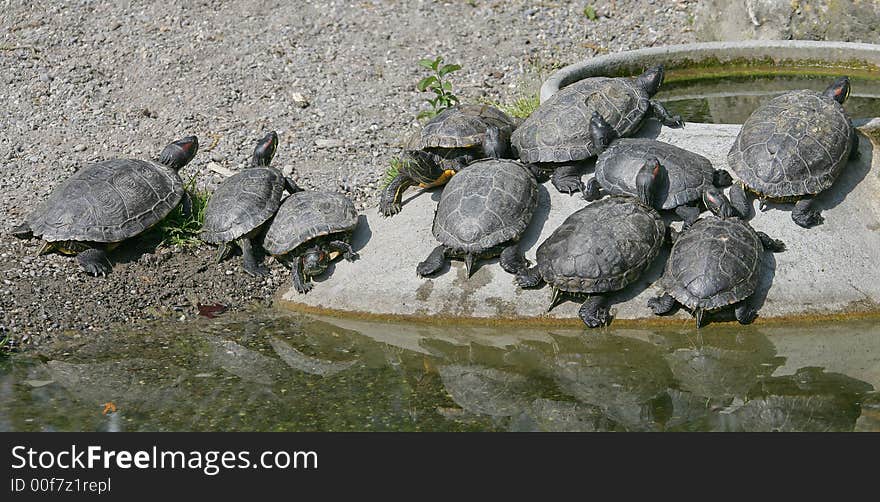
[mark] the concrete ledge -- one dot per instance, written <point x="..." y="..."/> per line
<point x="788" y="52"/>
<point x="830" y="269"/>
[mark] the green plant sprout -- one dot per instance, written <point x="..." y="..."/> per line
<point x="443" y="96"/>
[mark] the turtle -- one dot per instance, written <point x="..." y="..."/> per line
<point x="243" y="203"/>
<point x="557" y="135"/>
<point x="793" y="147"/>
<point x="445" y="145"/>
<point x="601" y="248"/>
<point x="688" y="174"/>
<point x="309" y="230"/>
<point x="715" y="263"/>
<point x="106" y="203"/>
<point x="482" y="213"/>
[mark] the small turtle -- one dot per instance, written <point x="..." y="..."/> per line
<point x="482" y="213"/>
<point x="688" y="174"/>
<point x="244" y="202"/>
<point x="715" y="263"/>
<point x="792" y="148"/>
<point x="309" y="230"/>
<point x="558" y="135"/>
<point x="447" y="143"/>
<point x="106" y="203"/>
<point x="601" y="248"/>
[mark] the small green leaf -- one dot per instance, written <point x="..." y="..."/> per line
<point x="427" y="63"/>
<point x="426" y="114"/>
<point x="590" y="12"/>
<point x="447" y="86"/>
<point x="436" y="63"/>
<point x="449" y="68"/>
<point x="426" y="82"/>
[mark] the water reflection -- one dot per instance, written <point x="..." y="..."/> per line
<point x="731" y="99"/>
<point x="291" y="373"/>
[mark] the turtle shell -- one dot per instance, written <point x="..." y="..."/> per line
<point x="715" y="263"/>
<point x="242" y="203"/>
<point x="486" y="204"/>
<point x="793" y="145"/>
<point x="603" y="247"/>
<point x="462" y="126"/>
<point x="109" y="201"/>
<point x="559" y="130"/>
<point x="687" y="174"/>
<point x="306" y="215"/>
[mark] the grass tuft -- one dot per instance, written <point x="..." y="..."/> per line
<point x="179" y="230"/>
<point x="391" y="172"/>
<point x="521" y="107"/>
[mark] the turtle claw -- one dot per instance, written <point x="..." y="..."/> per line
<point x="94" y="262"/>
<point x="569" y="185"/>
<point x="257" y="271"/>
<point x="352" y="256"/>
<point x="303" y="288"/>
<point x="388" y="210"/>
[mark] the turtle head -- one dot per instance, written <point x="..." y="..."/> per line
<point x="178" y="154"/>
<point x="718" y="203"/>
<point x="648" y="179"/>
<point x="315" y="261"/>
<point x="265" y="150"/>
<point x="650" y="80"/>
<point x="838" y="90"/>
<point x="494" y="146"/>
<point x="601" y="132"/>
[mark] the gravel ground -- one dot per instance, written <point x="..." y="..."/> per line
<point x="85" y="81"/>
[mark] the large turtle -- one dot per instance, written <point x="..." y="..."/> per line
<point x="244" y="202"/>
<point x="715" y="263"/>
<point x="447" y="143"/>
<point x="792" y="148"/>
<point x="601" y="248"/>
<point x="558" y="135"/>
<point x="482" y="213"/>
<point x="309" y="230"/>
<point x="688" y="174"/>
<point x="106" y="203"/>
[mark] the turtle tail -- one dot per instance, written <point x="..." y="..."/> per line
<point x="469" y="264"/>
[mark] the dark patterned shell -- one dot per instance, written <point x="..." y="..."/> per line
<point x="559" y="130"/>
<point x="486" y="204"/>
<point x="462" y="126"/>
<point x="714" y="263"/>
<point x="109" y="201"/>
<point x="602" y="247"/>
<point x="795" y="144"/>
<point x="242" y="203"/>
<point x="306" y="215"/>
<point x="687" y="173"/>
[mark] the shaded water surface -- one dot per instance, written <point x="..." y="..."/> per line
<point x="265" y="371"/>
<point x="731" y="99"/>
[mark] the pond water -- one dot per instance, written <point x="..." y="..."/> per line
<point x="266" y="371"/>
<point x="730" y="99"/>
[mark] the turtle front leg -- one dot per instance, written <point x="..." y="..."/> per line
<point x="344" y="248"/>
<point x="94" y="261"/>
<point x="433" y="262"/>
<point x="688" y="214"/>
<point x="222" y="252"/>
<point x="594" y="312"/>
<point x="771" y="244"/>
<point x="301" y="283"/>
<point x="392" y="196"/>
<point x="513" y="261"/>
<point x="291" y="186"/>
<point x="745" y="311"/>
<point x="669" y="120"/>
<point x="567" y="179"/>
<point x="662" y="304"/>
<point x="529" y="278"/>
<point x="592" y="191"/>
<point x="741" y="201"/>
<point x="251" y="265"/>
<point x="22" y="231"/>
<point x="804" y="214"/>
<point x="854" y="148"/>
<point x="186" y="205"/>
